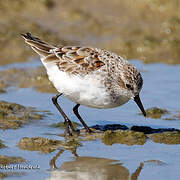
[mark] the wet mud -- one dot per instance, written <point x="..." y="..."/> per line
<point x="45" y="145"/>
<point x="2" y="145"/>
<point x="166" y="137"/>
<point x="61" y="125"/>
<point x="5" y="162"/>
<point x="156" y="112"/>
<point x="41" y="144"/>
<point x="124" y="137"/>
<point x="14" y="116"/>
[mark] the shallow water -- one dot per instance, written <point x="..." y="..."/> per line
<point x="97" y="160"/>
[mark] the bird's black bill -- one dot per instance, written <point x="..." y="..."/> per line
<point x="138" y="102"/>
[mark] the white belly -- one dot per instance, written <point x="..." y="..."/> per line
<point x="88" y="90"/>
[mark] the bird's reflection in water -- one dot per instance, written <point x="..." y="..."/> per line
<point x="91" y="168"/>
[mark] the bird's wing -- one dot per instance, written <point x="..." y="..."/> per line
<point x="71" y="59"/>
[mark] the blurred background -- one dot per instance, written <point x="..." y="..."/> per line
<point x="148" y="30"/>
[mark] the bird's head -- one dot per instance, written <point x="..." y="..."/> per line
<point x="132" y="82"/>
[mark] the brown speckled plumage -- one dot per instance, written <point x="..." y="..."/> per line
<point x="90" y="76"/>
<point x="78" y="60"/>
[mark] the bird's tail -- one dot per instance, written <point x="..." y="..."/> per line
<point x="40" y="47"/>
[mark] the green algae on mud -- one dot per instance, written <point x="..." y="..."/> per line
<point x="136" y="135"/>
<point x="11" y="174"/>
<point x="156" y="112"/>
<point x="166" y="137"/>
<point x="61" y="125"/>
<point x="14" y="116"/>
<point x="2" y="91"/>
<point x="108" y="137"/>
<point x="123" y="137"/>
<point x="7" y="160"/>
<point x="45" y="145"/>
<point x="2" y="145"/>
<point x="41" y="144"/>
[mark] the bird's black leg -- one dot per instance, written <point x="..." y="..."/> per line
<point x="75" y="109"/>
<point x="67" y="122"/>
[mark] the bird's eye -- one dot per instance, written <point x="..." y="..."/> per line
<point x="129" y="86"/>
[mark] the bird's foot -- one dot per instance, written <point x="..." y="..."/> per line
<point x="70" y="131"/>
<point x="88" y="130"/>
<point x="69" y="134"/>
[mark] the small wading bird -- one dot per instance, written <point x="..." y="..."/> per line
<point x="88" y="76"/>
